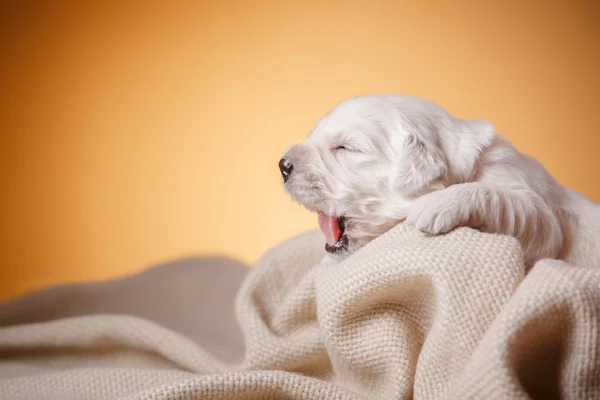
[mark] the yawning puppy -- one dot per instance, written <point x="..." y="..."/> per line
<point x="374" y="161"/>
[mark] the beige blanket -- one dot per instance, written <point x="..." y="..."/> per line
<point x="408" y="316"/>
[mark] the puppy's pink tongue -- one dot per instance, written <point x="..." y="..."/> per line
<point x="329" y="227"/>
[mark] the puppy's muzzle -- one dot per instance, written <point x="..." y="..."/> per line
<point x="286" y="168"/>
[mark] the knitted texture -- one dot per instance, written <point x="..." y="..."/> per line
<point x="407" y="316"/>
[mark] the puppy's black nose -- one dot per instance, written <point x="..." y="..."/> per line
<point x="286" y="168"/>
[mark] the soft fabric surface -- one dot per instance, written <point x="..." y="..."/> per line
<point x="407" y="316"/>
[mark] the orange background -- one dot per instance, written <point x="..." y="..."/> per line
<point x="137" y="134"/>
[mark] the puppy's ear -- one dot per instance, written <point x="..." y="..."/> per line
<point x="427" y="158"/>
<point x="420" y="164"/>
<point x="473" y="137"/>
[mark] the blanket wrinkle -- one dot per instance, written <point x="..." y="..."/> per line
<point x="407" y="316"/>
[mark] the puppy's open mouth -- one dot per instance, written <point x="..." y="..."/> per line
<point x="333" y="229"/>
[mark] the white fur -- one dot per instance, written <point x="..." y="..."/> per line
<point x="405" y="158"/>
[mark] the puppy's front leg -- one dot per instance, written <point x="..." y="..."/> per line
<point x="516" y="212"/>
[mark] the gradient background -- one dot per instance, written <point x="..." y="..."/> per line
<point x="137" y="134"/>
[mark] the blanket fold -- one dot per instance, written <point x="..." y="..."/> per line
<point x="407" y="316"/>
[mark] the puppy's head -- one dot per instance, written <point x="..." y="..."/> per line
<point x="370" y="157"/>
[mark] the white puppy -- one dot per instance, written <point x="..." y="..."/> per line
<point x="374" y="161"/>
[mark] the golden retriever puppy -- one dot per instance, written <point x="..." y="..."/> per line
<point x="374" y="161"/>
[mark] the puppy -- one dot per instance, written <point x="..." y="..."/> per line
<point x="374" y="161"/>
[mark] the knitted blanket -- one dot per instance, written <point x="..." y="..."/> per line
<point x="407" y="316"/>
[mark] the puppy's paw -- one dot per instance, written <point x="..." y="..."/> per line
<point x="438" y="212"/>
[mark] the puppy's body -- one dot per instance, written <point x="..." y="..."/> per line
<point x="374" y="161"/>
<point x="511" y="193"/>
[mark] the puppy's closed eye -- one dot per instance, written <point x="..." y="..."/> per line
<point x="346" y="148"/>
